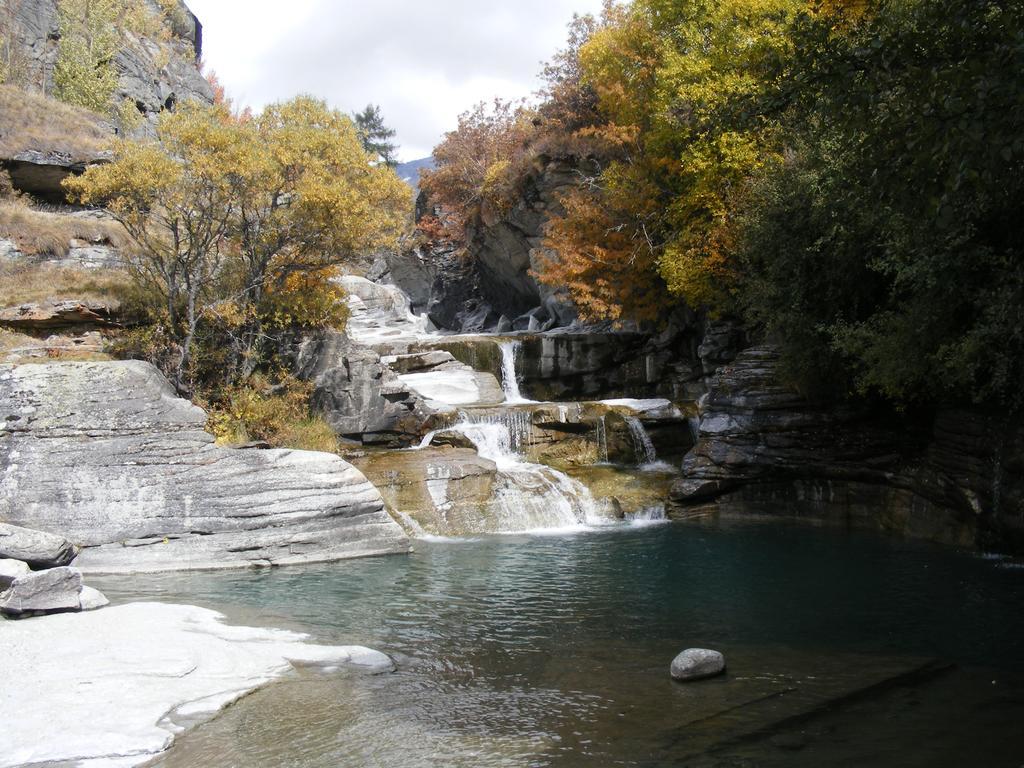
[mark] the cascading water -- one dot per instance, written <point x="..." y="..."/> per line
<point x="518" y="423"/>
<point x="645" y="451"/>
<point x="528" y="496"/>
<point x="509" y="380"/>
<point x="648" y="516"/>
<point x="602" y="441"/>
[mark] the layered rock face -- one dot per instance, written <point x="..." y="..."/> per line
<point x="492" y="286"/>
<point x="361" y="398"/>
<point x="105" y="454"/>
<point x="154" y="76"/>
<point x="764" y="449"/>
<point x="149" y="77"/>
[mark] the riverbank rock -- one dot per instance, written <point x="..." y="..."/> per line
<point x="697" y="664"/>
<point x="57" y="589"/>
<point x="953" y="476"/>
<point x="65" y="313"/>
<point x="92" y="599"/>
<point x="10" y="570"/>
<point x="360" y="397"/>
<point x="106" y="454"/>
<point x="36" y="548"/>
<point x="117" y="686"/>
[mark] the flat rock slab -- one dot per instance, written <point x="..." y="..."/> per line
<point x="106" y="454"/>
<point x="63" y="313"/>
<point x="116" y="686"/>
<point x="57" y="589"/>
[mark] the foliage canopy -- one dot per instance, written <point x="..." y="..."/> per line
<point x="241" y="223"/>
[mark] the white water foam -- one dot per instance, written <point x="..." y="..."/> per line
<point x="530" y="497"/>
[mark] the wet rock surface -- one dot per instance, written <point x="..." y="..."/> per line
<point x="697" y="664"/>
<point x="106" y="455"/>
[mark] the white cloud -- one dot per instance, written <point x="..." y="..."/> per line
<point x="423" y="62"/>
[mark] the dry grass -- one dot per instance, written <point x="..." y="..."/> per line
<point x="23" y="283"/>
<point x="39" y="233"/>
<point x="29" y="121"/>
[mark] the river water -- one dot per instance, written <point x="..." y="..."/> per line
<point x="554" y="651"/>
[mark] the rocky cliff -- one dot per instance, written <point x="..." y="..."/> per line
<point x="491" y="286"/>
<point x="955" y="476"/>
<point x="153" y="74"/>
<point x="105" y="454"/>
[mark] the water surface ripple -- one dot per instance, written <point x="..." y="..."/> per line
<point x="554" y="651"/>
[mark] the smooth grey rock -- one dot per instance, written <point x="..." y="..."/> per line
<point x="36" y="548"/>
<point x="11" y="570"/>
<point x="107" y="454"/>
<point x="92" y="599"/>
<point x="57" y="589"/>
<point x="697" y="664"/>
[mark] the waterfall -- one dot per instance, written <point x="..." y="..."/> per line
<point x="648" y="516"/>
<point x="602" y="441"/>
<point x="518" y="423"/>
<point x="528" y="496"/>
<point x="509" y="381"/>
<point x="645" y="452"/>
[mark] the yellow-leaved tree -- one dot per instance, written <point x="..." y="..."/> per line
<point x="679" y="86"/>
<point x="241" y="223"/>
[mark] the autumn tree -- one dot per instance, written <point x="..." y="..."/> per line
<point x="375" y="134"/>
<point x="474" y="165"/>
<point x="676" y="83"/>
<point x="310" y="198"/>
<point x="240" y="224"/>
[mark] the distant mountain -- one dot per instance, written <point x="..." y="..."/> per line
<point x="410" y="172"/>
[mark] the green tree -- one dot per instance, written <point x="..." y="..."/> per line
<point x="888" y="252"/>
<point x="375" y="135"/>
<point x="89" y="41"/>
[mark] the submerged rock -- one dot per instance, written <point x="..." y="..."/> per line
<point x="58" y="589"/>
<point x="108" y="455"/>
<point x="36" y="548"/>
<point x="697" y="664"/>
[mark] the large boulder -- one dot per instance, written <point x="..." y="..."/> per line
<point x="36" y="548"/>
<point x="108" y="455"/>
<point x="58" y="589"/>
<point x="358" y="395"/>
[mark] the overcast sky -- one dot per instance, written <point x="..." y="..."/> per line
<point x="423" y="61"/>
